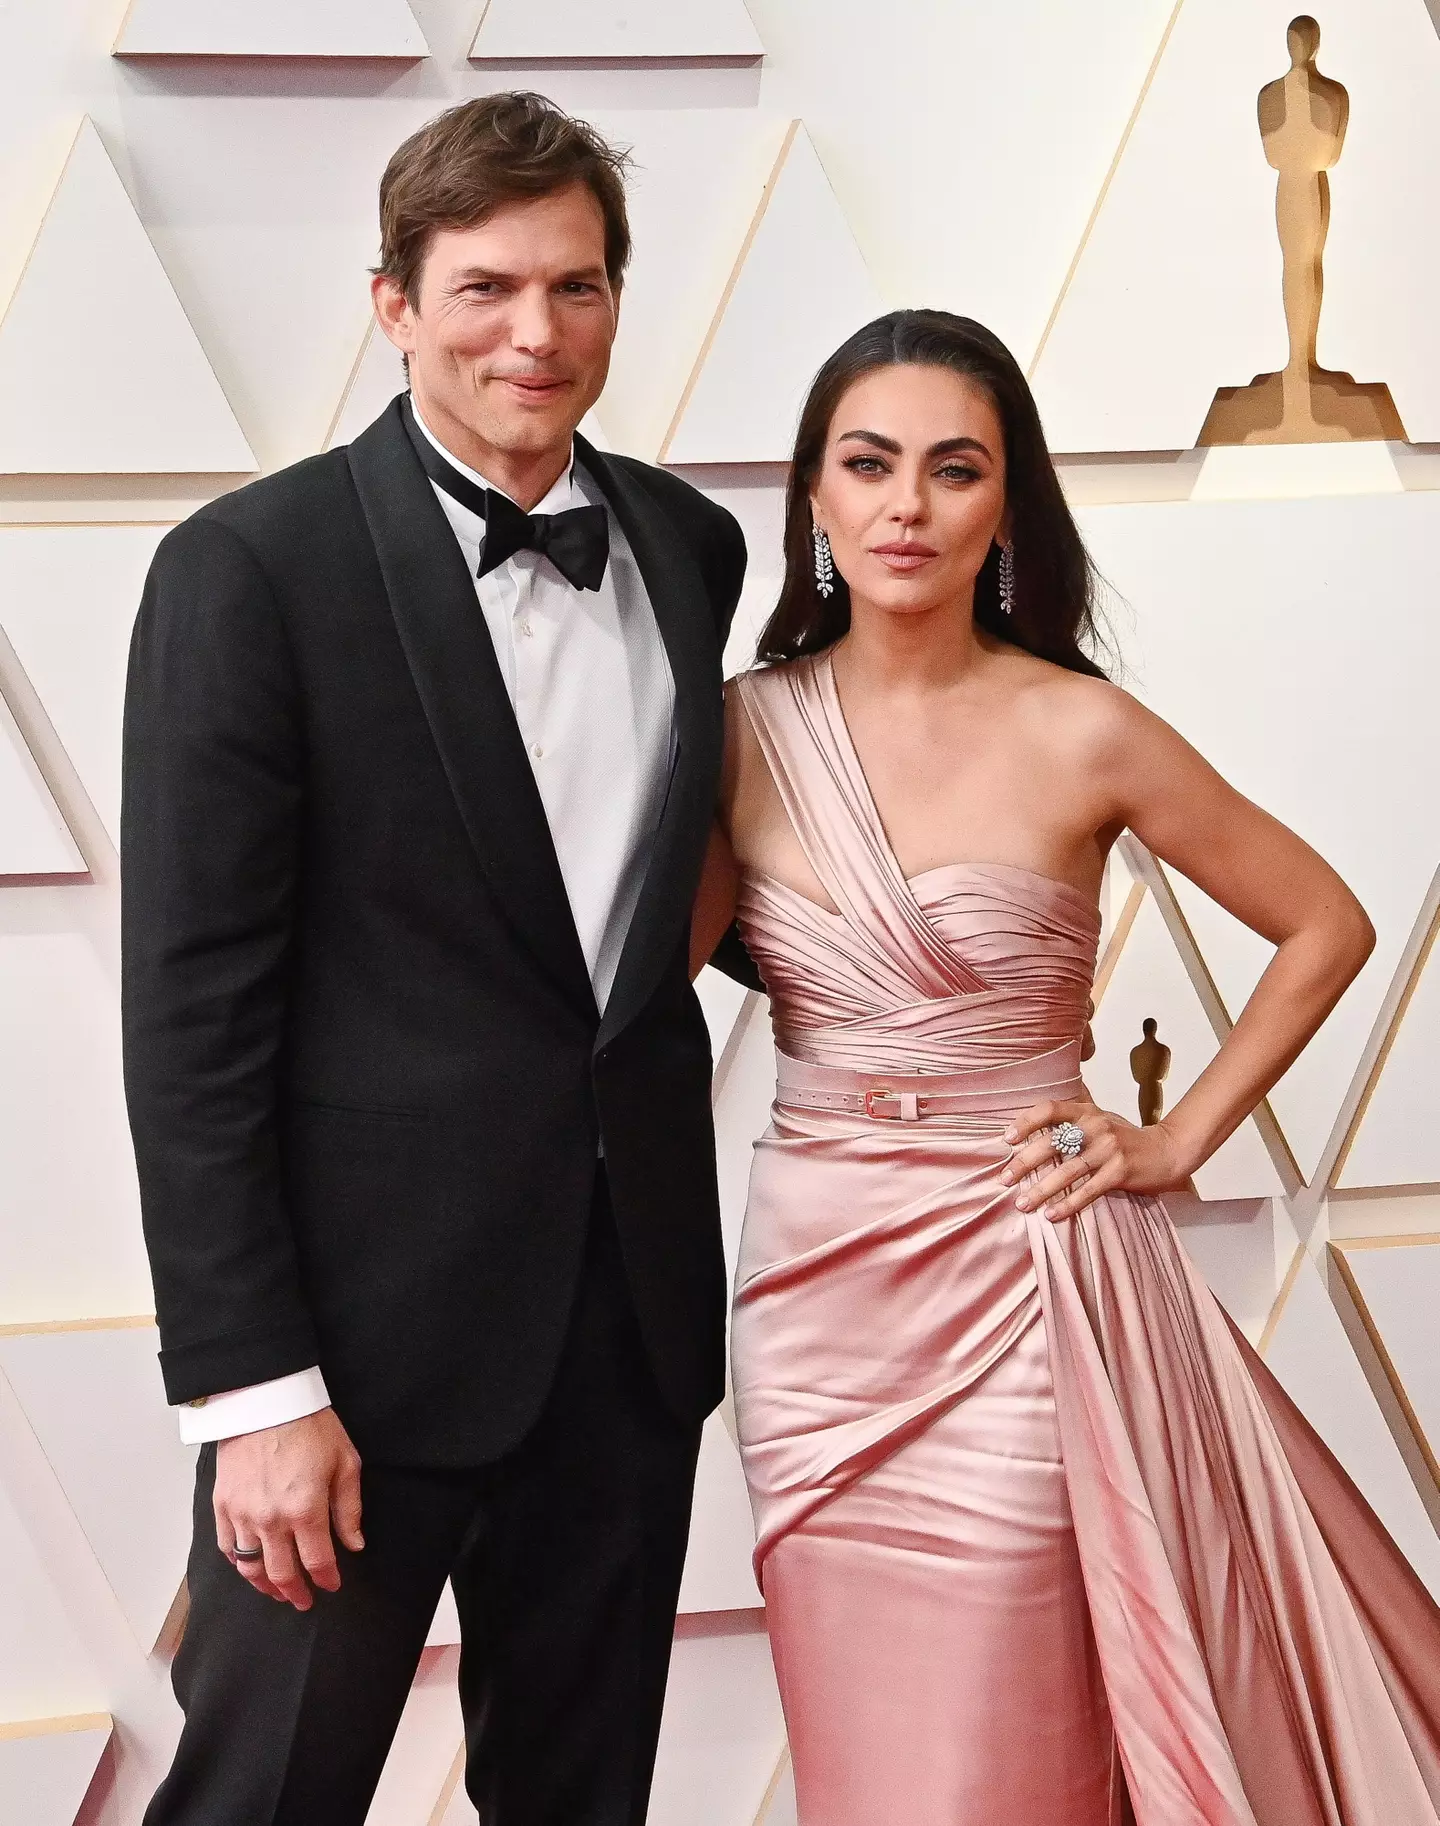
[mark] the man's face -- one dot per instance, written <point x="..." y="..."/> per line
<point x="509" y="337"/>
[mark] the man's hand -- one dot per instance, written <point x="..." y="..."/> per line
<point x="281" y="1489"/>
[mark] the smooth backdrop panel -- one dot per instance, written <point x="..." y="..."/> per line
<point x="71" y="1220"/>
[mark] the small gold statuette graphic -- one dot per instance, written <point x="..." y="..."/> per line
<point x="1303" y="116"/>
<point x="1149" y="1067"/>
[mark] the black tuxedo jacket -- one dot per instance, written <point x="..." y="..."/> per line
<point x="365" y="1069"/>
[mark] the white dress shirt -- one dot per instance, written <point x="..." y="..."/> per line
<point x="588" y="677"/>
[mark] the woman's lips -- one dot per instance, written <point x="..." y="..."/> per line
<point x="906" y="557"/>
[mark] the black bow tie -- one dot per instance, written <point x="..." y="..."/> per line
<point x="576" y="542"/>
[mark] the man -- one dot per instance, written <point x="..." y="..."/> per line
<point x="422" y="742"/>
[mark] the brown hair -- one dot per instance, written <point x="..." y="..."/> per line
<point x="1055" y="611"/>
<point x="461" y="166"/>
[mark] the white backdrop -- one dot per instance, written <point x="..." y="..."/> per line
<point x="184" y="233"/>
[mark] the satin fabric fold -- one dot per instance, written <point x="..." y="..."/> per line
<point x="1040" y="1538"/>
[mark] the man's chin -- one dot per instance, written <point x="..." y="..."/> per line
<point x="531" y="428"/>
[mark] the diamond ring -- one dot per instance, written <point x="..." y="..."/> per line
<point x="1067" y="1138"/>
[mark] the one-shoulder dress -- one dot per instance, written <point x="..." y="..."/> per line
<point x="1041" y="1540"/>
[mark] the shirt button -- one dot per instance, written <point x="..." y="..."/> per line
<point x="525" y="630"/>
<point x="538" y="752"/>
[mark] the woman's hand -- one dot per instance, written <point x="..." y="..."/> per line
<point x="1117" y="1157"/>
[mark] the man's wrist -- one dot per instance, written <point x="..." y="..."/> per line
<point x="253" y="1409"/>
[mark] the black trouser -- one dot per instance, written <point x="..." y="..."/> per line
<point x="566" y="1558"/>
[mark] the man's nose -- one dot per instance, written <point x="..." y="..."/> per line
<point x="532" y="325"/>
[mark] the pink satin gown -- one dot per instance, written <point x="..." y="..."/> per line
<point x="1042" y="1542"/>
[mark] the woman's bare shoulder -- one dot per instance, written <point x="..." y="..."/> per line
<point x="1081" y="704"/>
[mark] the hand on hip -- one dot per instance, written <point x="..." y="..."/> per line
<point x="1094" y="1152"/>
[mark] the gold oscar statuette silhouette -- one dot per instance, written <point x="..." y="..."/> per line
<point x="1303" y="117"/>
<point x="1149" y="1067"/>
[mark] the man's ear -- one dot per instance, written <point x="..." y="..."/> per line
<point x="393" y="311"/>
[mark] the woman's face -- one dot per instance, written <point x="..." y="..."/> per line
<point x="911" y="489"/>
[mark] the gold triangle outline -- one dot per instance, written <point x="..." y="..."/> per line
<point x="1115" y="944"/>
<point x="350" y="379"/>
<point x="1104" y="191"/>
<point x="1336" y="1252"/>
<point x="761" y="207"/>
<point x="1414" y="958"/>
<point x="21" y="715"/>
<point x="1147" y="868"/>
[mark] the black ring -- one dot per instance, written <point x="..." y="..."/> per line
<point x="249" y="1553"/>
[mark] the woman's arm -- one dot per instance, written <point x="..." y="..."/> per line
<point x="1265" y="875"/>
<point x="715" y="901"/>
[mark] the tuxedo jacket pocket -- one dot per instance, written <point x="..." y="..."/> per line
<point x="358" y="1112"/>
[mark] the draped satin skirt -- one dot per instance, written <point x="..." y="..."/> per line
<point x="1040" y="1540"/>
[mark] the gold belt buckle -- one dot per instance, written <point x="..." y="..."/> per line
<point x="871" y="1098"/>
<point x="908" y="1103"/>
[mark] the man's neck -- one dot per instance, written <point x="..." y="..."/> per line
<point x="525" y="477"/>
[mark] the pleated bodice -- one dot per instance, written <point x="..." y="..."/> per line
<point x="963" y="966"/>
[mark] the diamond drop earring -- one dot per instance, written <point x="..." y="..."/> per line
<point x="824" y="563"/>
<point x="1007" y="577"/>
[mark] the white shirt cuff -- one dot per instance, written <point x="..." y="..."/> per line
<point x="250" y="1410"/>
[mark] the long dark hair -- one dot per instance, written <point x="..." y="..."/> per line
<point x="1055" y="614"/>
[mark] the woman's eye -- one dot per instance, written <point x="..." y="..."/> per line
<point x="865" y="466"/>
<point x="959" y="472"/>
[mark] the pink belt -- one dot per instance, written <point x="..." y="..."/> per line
<point x="991" y="1090"/>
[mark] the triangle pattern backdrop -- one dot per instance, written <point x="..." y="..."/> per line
<point x="1313" y="1358"/>
<point x="1150" y="979"/>
<point x="799" y="287"/>
<point x="46" y="1670"/>
<point x="1395" y="1281"/>
<point x="1222" y="624"/>
<point x="68" y="597"/>
<point x="1177" y="289"/>
<point x="628" y="30"/>
<point x="1395" y="1141"/>
<point x="93" y="1400"/>
<point x="46" y="1766"/>
<point x="270" y="28"/>
<point x="122" y="391"/>
<point x="34" y="838"/>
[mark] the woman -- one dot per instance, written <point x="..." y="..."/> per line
<point x="1041" y="1540"/>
